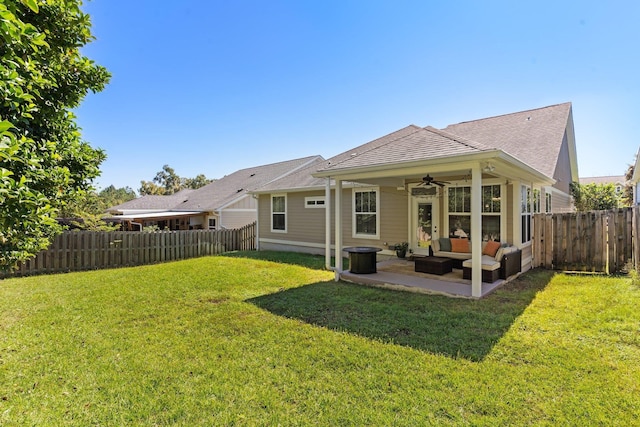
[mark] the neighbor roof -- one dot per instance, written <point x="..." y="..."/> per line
<point x="614" y="179"/>
<point x="153" y="202"/>
<point x="221" y="192"/>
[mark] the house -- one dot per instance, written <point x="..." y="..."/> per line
<point x="223" y="203"/>
<point x="618" y="181"/>
<point x="482" y="179"/>
<point x="635" y="179"/>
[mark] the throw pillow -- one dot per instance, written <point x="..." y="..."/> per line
<point x="491" y="248"/>
<point x="445" y="244"/>
<point x="499" y="254"/>
<point x="459" y="245"/>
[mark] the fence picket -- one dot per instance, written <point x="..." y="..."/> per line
<point x="598" y="241"/>
<point x="83" y="250"/>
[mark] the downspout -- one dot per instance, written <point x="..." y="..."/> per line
<point x="138" y="224"/>
<point x="257" y="242"/>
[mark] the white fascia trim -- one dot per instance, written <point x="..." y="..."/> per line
<point x="365" y="171"/>
<point x="345" y="184"/>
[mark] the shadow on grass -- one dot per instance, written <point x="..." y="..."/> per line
<point x="458" y="328"/>
<point x="315" y="262"/>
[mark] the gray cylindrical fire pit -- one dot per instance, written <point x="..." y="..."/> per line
<point x="362" y="259"/>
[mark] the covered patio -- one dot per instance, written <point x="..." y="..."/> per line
<point x="400" y="274"/>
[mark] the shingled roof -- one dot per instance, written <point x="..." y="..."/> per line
<point x="533" y="136"/>
<point x="409" y="144"/>
<point x="225" y="190"/>
<point x="153" y="202"/>
<point x="220" y="192"/>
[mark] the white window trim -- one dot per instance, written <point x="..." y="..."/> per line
<point x="354" y="234"/>
<point x="548" y="200"/>
<point x="312" y="202"/>
<point x="285" y="213"/>
<point x="502" y="214"/>
<point x="526" y="208"/>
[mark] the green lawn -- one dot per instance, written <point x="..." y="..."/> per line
<point x="239" y="340"/>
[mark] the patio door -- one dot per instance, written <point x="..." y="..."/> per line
<point x="424" y="224"/>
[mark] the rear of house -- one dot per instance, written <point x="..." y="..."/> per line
<point x="481" y="180"/>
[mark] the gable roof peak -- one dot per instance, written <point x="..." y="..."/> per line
<point x="529" y="117"/>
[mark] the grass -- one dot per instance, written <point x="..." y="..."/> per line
<point x="246" y="341"/>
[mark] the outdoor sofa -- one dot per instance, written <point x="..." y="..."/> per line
<point x="499" y="260"/>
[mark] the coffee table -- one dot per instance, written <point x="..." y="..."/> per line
<point x="433" y="265"/>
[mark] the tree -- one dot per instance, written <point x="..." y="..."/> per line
<point x="197" y="182"/>
<point x="87" y="211"/>
<point x="627" y="196"/>
<point x="44" y="163"/>
<point x="167" y="182"/>
<point x="594" y="197"/>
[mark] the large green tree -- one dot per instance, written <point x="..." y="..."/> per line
<point x="44" y="163"/>
<point x="594" y="197"/>
<point x="167" y="182"/>
<point x="87" y="211"/>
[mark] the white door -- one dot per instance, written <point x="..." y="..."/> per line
<point x="424" y="224"/>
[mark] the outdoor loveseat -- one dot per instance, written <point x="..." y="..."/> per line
<point x="499" y="261"/>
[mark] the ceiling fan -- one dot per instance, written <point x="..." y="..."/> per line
<point x="428" y="180"/>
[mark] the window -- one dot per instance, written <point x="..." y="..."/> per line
<point x="314" y="202"/>
<point x="491" y="209"/>
<point x="365" y="213"/>
<point x="460" y="212"/>
<point x="525" y="204"/>
<point x="279" y="213"/>
<point x="460" y="207"/>
<point x="547" y="205"/>
<point x="212" y="223"/>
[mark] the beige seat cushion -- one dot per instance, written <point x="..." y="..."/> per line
<point x="488" y="263"/>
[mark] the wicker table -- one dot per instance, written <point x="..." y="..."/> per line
<point x="362" y="259"/>
<point x="433" y="265"/>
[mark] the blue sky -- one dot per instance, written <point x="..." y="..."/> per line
<point x="215" y="86"/>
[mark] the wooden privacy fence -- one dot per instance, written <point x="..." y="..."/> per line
<point x="596" y="241"/>
<point x="89" y="250"/>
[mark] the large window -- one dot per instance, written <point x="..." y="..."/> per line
<point x="525" y="209"/>
<point x="491" y="209"/>
<point x="547" y="206"/>
<point x="460" y="212"/>
<point x="279" y="213"/>
<point x="365" y="213"/>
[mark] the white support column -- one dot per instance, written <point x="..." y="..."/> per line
<point x="476" y="231"/>
<point x="516" y="210"/>
<point x="338" y="239"/>
<point x="327" y="224"/>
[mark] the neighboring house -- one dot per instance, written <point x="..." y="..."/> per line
<point x="223" y="203"/>
<point x="635" y="179"/>
<point x="617" y="181"/>
<point x="482" y="178"/>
